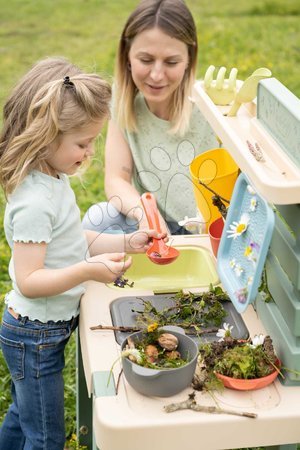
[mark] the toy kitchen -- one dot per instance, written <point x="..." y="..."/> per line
<point x="258" y="123"/>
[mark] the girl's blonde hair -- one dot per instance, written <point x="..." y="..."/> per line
<point x="173" y="18"/>
<point x="42" y="107"/>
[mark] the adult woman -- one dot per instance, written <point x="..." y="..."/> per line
<point x="155" y="130"/>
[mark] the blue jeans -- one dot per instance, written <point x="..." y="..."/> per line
<point x="34" y="353"/>
<point x="105" y="218"/>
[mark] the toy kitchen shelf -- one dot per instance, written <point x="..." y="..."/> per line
<point x="277" y="179"/>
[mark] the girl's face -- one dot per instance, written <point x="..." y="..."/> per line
<point x="73" y="149"/>
<point x="158" y="63"/>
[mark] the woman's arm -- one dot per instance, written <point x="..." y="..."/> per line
<point x="34" y="280"/>
<point x="118" y="175"/>
<point x="119" y="167"/>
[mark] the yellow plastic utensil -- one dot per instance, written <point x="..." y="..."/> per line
<point x="248" y="90"/>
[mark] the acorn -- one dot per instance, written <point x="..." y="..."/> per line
<point x="168" y="341"/>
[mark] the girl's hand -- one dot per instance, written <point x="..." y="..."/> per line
<point x="139" y="241"/>
<point x="107" y="267"/>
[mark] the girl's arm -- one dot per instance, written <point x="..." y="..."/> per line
<point x="118" y="179"/>
<point x="34" y="280"/>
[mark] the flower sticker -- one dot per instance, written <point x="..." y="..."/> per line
<point x="254" y="246"/>
<point x="238" y="270"/>
<point x="224" y="332"/>
<point x="251" y="250"/>
<point x="250" y="280"/>
<point x="253" y="204"/>
<point x="241" y="295"/>
<point x="250" y="190"/>
<point x="238" y="228"/>
<point x="232" y="263"/>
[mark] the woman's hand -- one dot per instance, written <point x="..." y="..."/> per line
<point x="139" y="241"/>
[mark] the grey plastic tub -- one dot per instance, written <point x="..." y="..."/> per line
<point x="162" y="382"/>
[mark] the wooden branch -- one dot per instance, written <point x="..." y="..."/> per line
<point x="111" y="327"/>
<point x="118" y="381"/>
<point x="213" y="192"/>
<point x="191" y="403"/>
<point x="191" y="329"/>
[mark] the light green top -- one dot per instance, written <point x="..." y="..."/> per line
<point x="44" y="209"/>
<point x="162" y="159"/>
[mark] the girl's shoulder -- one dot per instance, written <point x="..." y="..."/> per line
<point x="39" y="190"/>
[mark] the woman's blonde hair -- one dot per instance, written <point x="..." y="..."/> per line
<point x="173" y="18"/>
<point x="53" y="98"/>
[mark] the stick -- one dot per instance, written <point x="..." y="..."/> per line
<point x="214" y="192"/>
<point x="111" y="327"/>
<point x="189" y="330"/>
<point x="191" y="403"/>
<point x="118" y="381"/>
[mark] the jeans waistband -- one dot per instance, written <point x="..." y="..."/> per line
<point x="25" y="319"/>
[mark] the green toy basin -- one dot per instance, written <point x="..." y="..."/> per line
<point x="192" y="269"/>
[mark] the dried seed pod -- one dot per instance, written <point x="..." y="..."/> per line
<point x="151" y="353"/>
<point x="168" y="341"/>
<point x="174" y="354"/>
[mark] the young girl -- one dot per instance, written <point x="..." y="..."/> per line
<point x="50" y="123"/>
<point x="155" y="131"/>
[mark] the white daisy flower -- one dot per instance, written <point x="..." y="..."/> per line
<point x="224" y="332"/>
<point x="253" y="204"/>
<point x="250" y="190"/>
<point x="133" y="352"/>
<point x="257" y="340"/>
<point x="238" y="270"/>
<point x="238" y="228"/>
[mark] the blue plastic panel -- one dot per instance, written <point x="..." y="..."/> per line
<point x="241" y="258"/>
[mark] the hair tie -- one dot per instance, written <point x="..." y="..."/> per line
<point x="67" y="81"/>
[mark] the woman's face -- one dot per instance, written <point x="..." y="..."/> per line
<point x="158" y="63"/>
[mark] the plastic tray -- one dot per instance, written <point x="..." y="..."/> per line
<point x="241" y="260"/>
<point x="194" y="268"/>
<point x="122" y="314"/>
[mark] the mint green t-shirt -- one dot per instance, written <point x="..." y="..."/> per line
<point x="162" y="159"/>
<point x="44" y="209"/>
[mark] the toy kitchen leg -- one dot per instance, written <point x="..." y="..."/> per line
<point x="84" y="404"/>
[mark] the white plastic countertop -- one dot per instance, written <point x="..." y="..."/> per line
<point x="131" y="421"/>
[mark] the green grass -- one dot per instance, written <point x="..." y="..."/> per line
<point x="244" y="34"/>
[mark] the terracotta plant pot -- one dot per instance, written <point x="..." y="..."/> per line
<point x="248" y="385"/>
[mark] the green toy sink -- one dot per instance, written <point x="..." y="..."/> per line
<point x="192" y="269"/>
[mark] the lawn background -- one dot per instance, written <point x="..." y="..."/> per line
<point x="246" y="34"/>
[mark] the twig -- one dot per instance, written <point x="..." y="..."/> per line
<point x="214" y="192"/>
<point x="118" y="381"/>
<point x="190" y="329"/>
<point x="111" y="327"/>
<point x="191" y="403"/>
